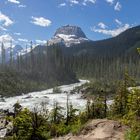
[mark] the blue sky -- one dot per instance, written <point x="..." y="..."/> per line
<point x="37" y="20"/>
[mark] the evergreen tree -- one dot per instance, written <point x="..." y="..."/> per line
<point x="17" y="108"/>
<point x="70" y="112"/>
<point x="3" y="54"/>
<point x="11" y="54"/>
<point x="56" y="113"/>
<point x="31" y="57"/>
<point x="121" y="99"/>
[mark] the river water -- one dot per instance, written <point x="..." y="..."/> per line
<point x="34" y="99"/>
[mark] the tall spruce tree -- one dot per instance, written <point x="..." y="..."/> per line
<point x="3" y="55"/>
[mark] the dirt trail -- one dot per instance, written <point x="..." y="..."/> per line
<point x="100" y="129"/>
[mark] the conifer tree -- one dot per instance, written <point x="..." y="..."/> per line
<point x="11" y="54"/>
<point x="3" y="54"/>
<point x="31" y="56"/>
<point x="26" y="58"/>
<point x="70" y="112"/>
<point x="56" y="113"/>
<point x="17" y="108"/>
<point x="121" y="99"/>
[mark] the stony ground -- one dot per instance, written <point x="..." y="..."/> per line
<point x="100" y="129"/>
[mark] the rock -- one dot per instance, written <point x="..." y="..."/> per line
<point x="3" y="132"/>
<point x="28" y="97"/>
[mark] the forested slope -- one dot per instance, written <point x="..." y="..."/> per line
<point x="107" y="59"/>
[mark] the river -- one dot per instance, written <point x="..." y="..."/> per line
<point x="34" y="99"/>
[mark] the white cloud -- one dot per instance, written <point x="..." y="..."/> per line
<point x="74" y="2"/>
<point x="22" y="6"/>
<point x="6" y="39"/>
<point x="2" y="28"/>
<point x="118" y="6"/>
<point x="14" y="1"/>
<point x="81" y="2"/>
<point x="41" y="21"/>
<point x="102" y="25"/>
<point x="113" y="32"/>
<point x="18" y="3"/>
<point x="62" y="4"/>
<point x="23" y="40"/>
<point x="118" y="22"/>
<point x="5" y="20"/>
<point x="89" y="1"/>
<point x="41" y="41"/>
<point x="110" y="1"/>
<point x="17" y="34"/>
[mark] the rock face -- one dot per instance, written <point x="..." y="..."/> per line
<point x="68" y="36"/>
<point x="100" y="129"/>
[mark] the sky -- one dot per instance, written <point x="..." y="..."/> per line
<point x="24" y="20"/>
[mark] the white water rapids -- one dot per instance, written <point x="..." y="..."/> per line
<point x="34" y="99"/>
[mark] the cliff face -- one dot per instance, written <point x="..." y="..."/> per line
<point x="70" y="30"/>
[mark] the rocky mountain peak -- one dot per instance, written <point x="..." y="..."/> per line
<point x="70" y="30"/>
<point x="68" y="35"/>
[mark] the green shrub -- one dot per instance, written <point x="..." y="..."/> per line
<point x="75" y="129"/>
<point x="130" y="135"/>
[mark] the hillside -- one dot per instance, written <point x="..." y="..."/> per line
<point x="109" y="57"/>
<point x="117" y="45"/>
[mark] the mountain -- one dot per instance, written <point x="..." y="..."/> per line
<point x="121" y="44"/>
<point x="106" y="59"/>
<point x="68" y="35"/>
<point x="15" y="50"/>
